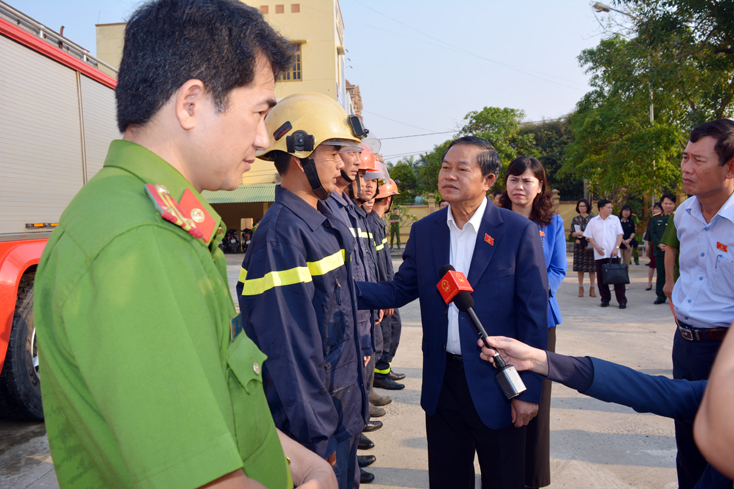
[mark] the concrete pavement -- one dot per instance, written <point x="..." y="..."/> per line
<point x="593" y="444"/>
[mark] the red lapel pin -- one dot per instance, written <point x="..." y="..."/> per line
<point x="488" y="239"/>
<point x="719" y="246"/>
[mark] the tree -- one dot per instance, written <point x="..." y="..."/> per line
<point x="404" y="175"/>
<point x="677" y="54"/>
<point x="551" y="138"/>
<point x="501" y="127"/>
<point x="428" y="171"/>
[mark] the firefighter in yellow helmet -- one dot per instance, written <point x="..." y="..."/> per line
<point x="296" y="290"/>
<point x="365" y="264"/>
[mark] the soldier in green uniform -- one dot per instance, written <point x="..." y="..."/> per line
<point x="147" y="378"/>
<point x="658" y="224"/>
<point x="394" y="227"/>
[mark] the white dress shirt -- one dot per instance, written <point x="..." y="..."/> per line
<point x="703" y="296"/>
<point x="604" y="232"/>
<point x="462" y="251"/>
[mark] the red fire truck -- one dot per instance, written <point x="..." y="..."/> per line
<point x="57" y="118"/>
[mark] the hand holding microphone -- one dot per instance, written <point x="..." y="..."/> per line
<point x="454" y="287"/>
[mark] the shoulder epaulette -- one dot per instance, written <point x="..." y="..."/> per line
<point x="199" y="224"/>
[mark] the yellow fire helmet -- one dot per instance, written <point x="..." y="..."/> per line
<point x="302" y="121"/>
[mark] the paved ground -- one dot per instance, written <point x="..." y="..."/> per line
<point x="593" y="444"/>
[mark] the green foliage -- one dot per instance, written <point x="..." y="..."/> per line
<point x="679" y="55"/>
<point x="501" y="127"/>
<point x="551" y="138"/>
<point x="404" y="174"/>
<point x="428" y="171"/>
<point x="406" y="217"/>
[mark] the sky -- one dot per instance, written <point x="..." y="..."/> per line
<point x="423" y="65"/>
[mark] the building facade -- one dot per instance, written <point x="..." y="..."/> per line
<point x="316" y="29"/>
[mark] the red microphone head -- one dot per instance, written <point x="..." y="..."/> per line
<point x="451" y="283"/>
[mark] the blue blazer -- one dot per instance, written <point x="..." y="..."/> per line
<point x="554" y="249"/>
<point x="508" y="274"/>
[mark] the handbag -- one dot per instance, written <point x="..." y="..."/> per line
<point x="615" y="273"/>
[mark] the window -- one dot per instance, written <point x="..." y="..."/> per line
<point x="294" y="74"/>
<point x="263" y="9"/>
<point x="280" y="9"/>
<point x="295" y="8"/>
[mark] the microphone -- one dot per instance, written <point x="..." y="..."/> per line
<point x="454" y="287"/>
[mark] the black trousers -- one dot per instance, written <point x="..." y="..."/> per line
<point x="604" y="292"/>
<point x="455" y="432"/>
<point x="660" y="279"/>
<point x="692" y="360"/>
<point x="537" y="437"/>
<point x="391" y="329"/>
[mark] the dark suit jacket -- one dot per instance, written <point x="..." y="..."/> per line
<point x="510" y="282"/>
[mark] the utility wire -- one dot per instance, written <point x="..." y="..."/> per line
<point x="419" y="135"/>
<point x="506" y="65"/>
<point x="399" y="122"/>
<point x="459" y="130"/>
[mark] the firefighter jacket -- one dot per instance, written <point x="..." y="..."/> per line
<point x="298" y="303"/>
<point x="366" y="243"/>
<point x="344" y="209"/>
<point x="376" y="226"/>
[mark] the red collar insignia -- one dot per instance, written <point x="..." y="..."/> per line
<point x="721" y="246"/>
<point x="542" y="234"/>
<point x="488" y="239"/>
<point x="188" y="214"/>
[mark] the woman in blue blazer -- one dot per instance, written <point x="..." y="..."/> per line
<point x="528" y="194"/>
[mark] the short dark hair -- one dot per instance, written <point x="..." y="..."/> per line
<point x="668" y="196"/>
<point x="588" y="206"/>
<point x="658" y="205"/>
<point x="489" y="160"/>
<point x="624" y="208"/>
<point x="282" y="160"/>
<point x="168" y="42"/>
<point x="542" y="211"/>
<point x="723" y="131"/>
<point x="497" y="192"/>
<point x="602" y="203"/>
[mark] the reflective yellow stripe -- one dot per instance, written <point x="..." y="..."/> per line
<point x="297" y="275"/>
<point x="381" y="245"/>
<point x="365" y="234"/>
<point x="326" y="265"/>
<point x="383" y="372"/>
<point x="256" y="286"/>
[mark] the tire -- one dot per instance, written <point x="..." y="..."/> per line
<point x="20" y="383"/>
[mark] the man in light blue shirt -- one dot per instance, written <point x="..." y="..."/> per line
<point x="703" y="296"/>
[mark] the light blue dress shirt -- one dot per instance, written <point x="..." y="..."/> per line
<point x="704" y="294"/>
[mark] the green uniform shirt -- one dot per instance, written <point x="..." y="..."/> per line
<point x="670" y="238"/>
<point x="657" y="229"/>
<point x="142" y="384"/>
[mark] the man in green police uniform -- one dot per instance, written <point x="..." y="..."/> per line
<point x="146" y="382"/>
<point x="657" y="229"/>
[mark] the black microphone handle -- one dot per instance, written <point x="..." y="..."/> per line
<point x="483" y="335"/>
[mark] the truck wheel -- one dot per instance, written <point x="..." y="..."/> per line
<point x="20" y="385"/>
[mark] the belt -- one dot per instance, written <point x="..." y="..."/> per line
<point x="454" y="358"/>
<point x="690" y="333"/>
